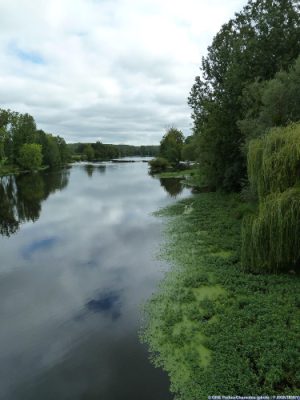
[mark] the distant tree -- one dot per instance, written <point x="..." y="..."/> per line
<point x="100" y="150"/>
<point x="171" y="145"/>
<point x="158" y="164"/>
<point x="30" y="156"/>
<point x="23" y="131"/>
<point x="89" y="152"/>
<point x="64" y="151"/>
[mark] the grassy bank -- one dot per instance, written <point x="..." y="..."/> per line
<point x="214" y="328"/>
<point x="192" y="177"/>
<point x="183" y="174"/>
<point x="9" y="170"/>
<point x="15" y="170"/>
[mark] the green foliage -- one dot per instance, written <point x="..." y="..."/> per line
<point x="271" y="103"/>
<point x="30" y="156"/>
<point x="111" y="151"/>
<point x="158" y="164"/>
<point x="251" y="47"/>
<point x="271" y="239"/>
<point x="18" y="129"/>
<point x="89" y="152"/>
<point x="171" y="145"/>
<point x="274" y="160"/>
<point x="189" y="149"/>
<point x="214" y="328"/>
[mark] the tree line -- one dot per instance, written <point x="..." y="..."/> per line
<point x="249" y="83"/>
<point x="25" y="146"/>
<point x="246" y="127"/>
<point x="100" y="151"/>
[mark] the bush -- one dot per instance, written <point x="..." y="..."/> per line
<point x="30" y="156"/>
<point x="158" y="164"/>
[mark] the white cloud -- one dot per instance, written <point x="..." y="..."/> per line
<point x="113" y="70"/>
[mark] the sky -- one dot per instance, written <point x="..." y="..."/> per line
<point x="118" y="71"/>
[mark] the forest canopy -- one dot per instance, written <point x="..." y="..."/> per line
<point x="259" y="44"/>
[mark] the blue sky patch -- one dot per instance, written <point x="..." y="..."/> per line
<point x="27" y="56"/>
<point x="39" y="246"/>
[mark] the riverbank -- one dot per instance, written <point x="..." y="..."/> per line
<point x="191" y="177"/>
<point x="15" y="170"/>
<point x="214" y="328"/>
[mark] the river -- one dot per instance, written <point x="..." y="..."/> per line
<point x="77" y="252"/>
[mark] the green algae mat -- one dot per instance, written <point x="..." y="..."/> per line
<point x="214" y="328"/>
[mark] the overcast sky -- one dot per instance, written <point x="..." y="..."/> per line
<point x="118" y="71"/>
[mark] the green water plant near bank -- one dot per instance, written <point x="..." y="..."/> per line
<point x="181" y="174"/>
<point x="16" y="170"/>
<point x="192" y="177"/>
<point x="214" y="328"/>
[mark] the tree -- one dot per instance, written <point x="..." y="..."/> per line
<point x="271" y="103"/>
<point x="30" y="156"/>
<point x="189" y="150"/>
<point x="89" y="152"/>
<point x="171" y="145"/>
<point x="262" y="39"/>
<point x="23" y="131"/>
<point x="271" y="237"/>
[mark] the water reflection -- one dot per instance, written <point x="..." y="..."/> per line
<point x="21" y="197"/>
<point x="108" y="303"/>
<point x="72" y="283"/>
<point x="173" y="186"/>
<point x="101" y="168"/>
<point x="89" y="169"/>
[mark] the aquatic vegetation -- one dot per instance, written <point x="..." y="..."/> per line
<point x="216" y="329"/>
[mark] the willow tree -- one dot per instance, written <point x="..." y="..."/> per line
<point x="271" y="238"/>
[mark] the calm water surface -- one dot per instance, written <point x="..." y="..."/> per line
<point x="77" y="252"/>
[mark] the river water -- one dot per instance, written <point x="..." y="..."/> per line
<point x="77" y="261"/>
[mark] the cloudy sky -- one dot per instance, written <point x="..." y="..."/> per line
<point x="118" y="71"/>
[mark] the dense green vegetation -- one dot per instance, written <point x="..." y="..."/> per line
<point x="30" y="156"/>
<point x="100" y="151"/>
<point x="271" y="237"/>
<point x="259" y="42"/>
<point x="172" y="150"/>
<point x="214" y="328"/>
<point x="171" y="146"/>
<point x="225" y="320"/>
<point x="23" y="146"/>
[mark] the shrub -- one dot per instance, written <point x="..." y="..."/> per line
<point x="30" y="156"/>
<point x="158" y="164"/>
